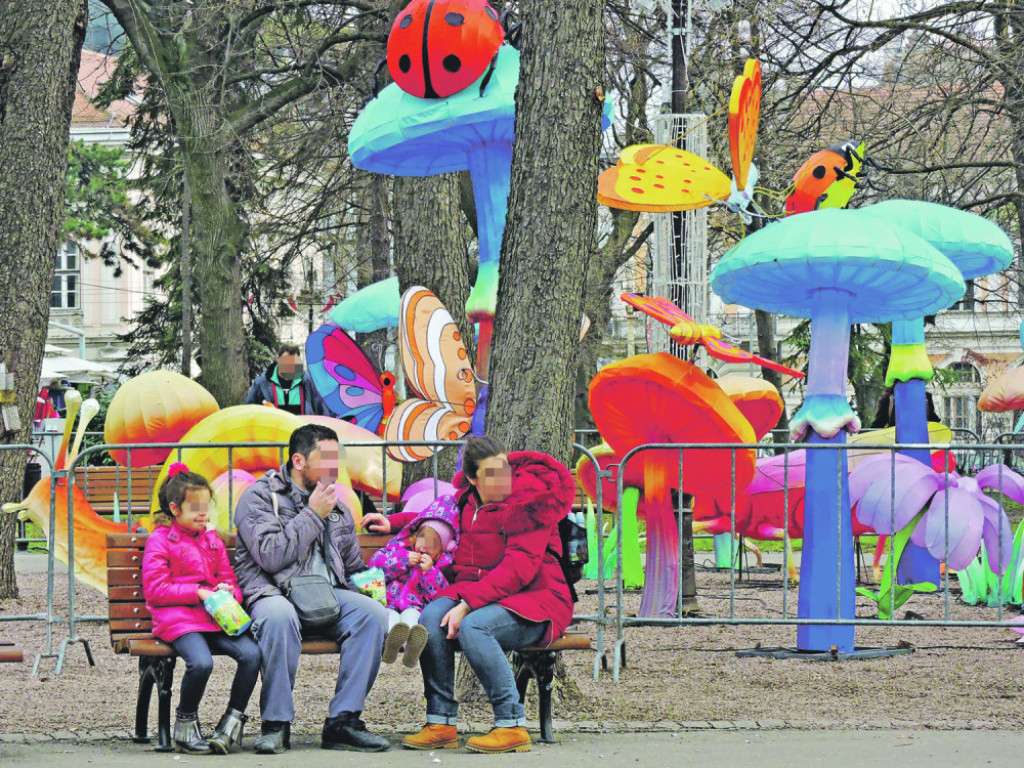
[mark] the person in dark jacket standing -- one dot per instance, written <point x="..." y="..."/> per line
<point x="307" y="531"/>
<point x="506" y="590"/>
<point x="284" y="386"/>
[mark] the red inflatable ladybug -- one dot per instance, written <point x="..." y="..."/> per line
<point x="438" y="47"/>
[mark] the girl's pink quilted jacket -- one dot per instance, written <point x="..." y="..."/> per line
<point x="176" y="563"/>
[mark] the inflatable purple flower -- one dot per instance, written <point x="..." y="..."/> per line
<point x="920" y="490"/>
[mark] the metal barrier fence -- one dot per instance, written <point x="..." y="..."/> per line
<point x="49" y="617"/>
<point x="960" y="450"/>
<point x="617" y="617"/>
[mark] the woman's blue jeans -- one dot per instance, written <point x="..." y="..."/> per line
<point x="485" y="636"/>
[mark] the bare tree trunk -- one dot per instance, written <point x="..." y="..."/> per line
<point x="375" y="264"/>
<point x="550" y="231"/>
<point x="552" y="218"/>
<point x="40" y="44"/>
<point x="219" y="234"/>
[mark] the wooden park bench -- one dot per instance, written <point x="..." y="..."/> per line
<point x="131" y="625"/>
<point x="100" y="484"/>
<point x="10" y="655"/>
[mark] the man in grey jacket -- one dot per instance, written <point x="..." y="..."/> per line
<point x="307" y="532"/>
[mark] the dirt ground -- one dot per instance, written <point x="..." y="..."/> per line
<point x="957" y="677"/>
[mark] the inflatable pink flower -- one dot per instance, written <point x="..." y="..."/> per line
<point x="973" y="516"/>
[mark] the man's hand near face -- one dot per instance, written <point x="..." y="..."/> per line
<point x="322" y="499"/>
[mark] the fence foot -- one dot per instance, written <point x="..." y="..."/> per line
<point x="63" y="651"/>
<point x="619" y="660"/>
<point x="40" y="657"/>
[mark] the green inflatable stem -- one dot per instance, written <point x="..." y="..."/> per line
<point x="725" y="550"/>
<point x="980" y="584"/>
<point x="892" y="596"/>
<point x="590" y="570"/>
<point x="908" y="361"/>
<point x="632" y="568"/>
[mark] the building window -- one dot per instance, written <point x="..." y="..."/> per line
<point x="963" y="373"/>
<point x="963" y="411"/>
<point x="967" y="301"/>
<point x="66" y="279"/>
<point x="962" y="401"/>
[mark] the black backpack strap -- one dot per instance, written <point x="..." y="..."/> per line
<point x="561" y="564"/>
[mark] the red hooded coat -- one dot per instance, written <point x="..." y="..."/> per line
<point x="507" y="552"/>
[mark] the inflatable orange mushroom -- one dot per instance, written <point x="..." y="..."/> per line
<point x="660" y="399"/>
<point x="1005" y="393"/>
<point x="758" y="400"/>
<point x="155" y="407"/>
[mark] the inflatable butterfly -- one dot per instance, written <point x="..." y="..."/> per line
<point x="685" y="330"/>
<point x="654" y="177"/>
<point x="436" y="367"/>
<point x="347" y="379"/>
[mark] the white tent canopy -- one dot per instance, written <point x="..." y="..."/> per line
<point x="76" y="368"/>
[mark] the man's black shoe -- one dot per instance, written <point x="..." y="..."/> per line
<point x="347" y="731"/>
<point x="275" y="737"/>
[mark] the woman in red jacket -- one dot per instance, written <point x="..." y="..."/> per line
<point x="506" y="589"/>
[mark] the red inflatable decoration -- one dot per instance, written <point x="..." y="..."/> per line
<point x="438" y="47"/>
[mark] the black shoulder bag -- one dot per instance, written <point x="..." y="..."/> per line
<point x="311" y="595"/>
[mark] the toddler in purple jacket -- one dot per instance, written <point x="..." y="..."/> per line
<point x="413" y="563"/>
<point x="183" y="565"/>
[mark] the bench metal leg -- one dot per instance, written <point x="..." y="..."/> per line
<point x="159" y="672"/>
<point x="523" y="673"/>
<point x="541" y="666"/>
<point x="545" y="684"/>
<point x="141" y="735"/>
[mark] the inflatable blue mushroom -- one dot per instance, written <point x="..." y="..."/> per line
<point x="837" y="267"/>
<point x="404" y="135"/>
<point x="977" y="247"/>
<point x="369" y="309"/>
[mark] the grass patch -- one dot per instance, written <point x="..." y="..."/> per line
<point x="33" y="531"/>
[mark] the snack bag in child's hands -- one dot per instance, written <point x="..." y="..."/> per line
<point x="371" y="582"/>
<point x="226" y="611"/>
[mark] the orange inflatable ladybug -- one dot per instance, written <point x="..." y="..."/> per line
<point x="438" y="47"/>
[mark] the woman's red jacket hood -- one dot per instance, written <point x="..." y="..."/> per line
<point x="540" y="485"/>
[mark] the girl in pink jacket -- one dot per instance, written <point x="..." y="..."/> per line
<point x="184" y="564"/>
<point x="413" y="563"/>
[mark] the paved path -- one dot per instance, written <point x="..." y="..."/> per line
<point x="707" y="749"/>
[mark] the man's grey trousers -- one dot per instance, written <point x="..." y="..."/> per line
<point x="360" y="632"/>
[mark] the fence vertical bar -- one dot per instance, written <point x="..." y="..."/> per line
<point x="732" y="532"/>
<point x="50" y="568"/>
<point x="128" y="458"/>
<point x="384" y="479"/>
<point x="890" y="558"/>
<point x="679" y="528"/>
<point x="231" y="487"/>
<point x="72" y="626"/>
<point x="618" y="569"/>
<point x="785" y="533"/>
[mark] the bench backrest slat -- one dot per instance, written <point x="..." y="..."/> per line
<point x="99" y="484"/>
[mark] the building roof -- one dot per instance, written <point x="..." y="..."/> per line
<point x="94" y="70"/>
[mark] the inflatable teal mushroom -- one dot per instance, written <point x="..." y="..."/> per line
<point x="404" y="135"/>
<point x="977" y="247"/>
<point x="837" y="267"/>
<point x="369" y="309"/>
